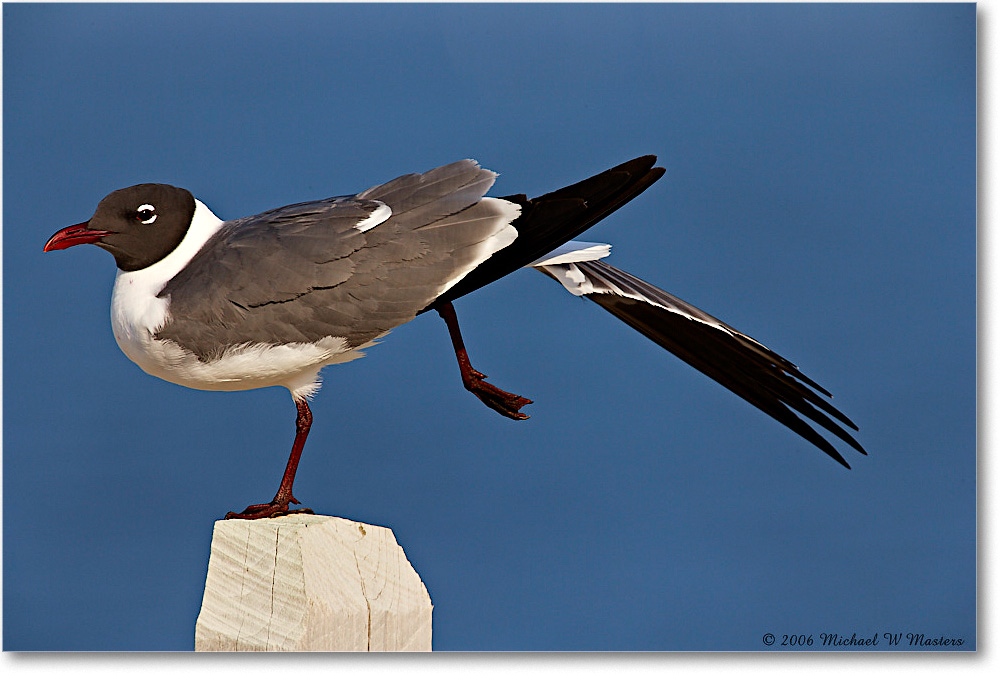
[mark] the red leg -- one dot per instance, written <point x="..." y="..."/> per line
<point x="279" y="505"/>
<point x="505" y="403"/>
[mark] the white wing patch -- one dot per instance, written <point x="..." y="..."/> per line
<point x="572" y="279"/>
<point x="574" y="251"/>
<point x="377" y="217"/>
<point x="560" y="265"/>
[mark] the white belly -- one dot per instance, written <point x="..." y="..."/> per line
<point x="250" y="366"/>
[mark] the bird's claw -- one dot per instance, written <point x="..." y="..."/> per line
<point x="274" y="509"/>
<point x="504" y="402"/>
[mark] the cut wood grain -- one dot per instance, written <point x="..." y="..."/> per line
<point x="311" y="583"/>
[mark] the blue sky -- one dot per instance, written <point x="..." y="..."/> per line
<point x="820" y="196"/>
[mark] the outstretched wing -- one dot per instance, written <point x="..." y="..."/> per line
<point x="349" y="267"/>
<point x="735" y="360"/>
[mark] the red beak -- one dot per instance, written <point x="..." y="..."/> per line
<point x="73" y="235"/>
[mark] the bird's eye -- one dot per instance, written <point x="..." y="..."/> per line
<point x="145" y="214"/>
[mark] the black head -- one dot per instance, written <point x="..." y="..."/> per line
<point x="138" y="225"/>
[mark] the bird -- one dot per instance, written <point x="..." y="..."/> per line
<point x="271" y="299"/>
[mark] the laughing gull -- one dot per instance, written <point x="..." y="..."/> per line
<point x="272" y="299"/>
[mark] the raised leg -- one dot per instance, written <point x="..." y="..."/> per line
<point x="505" y="403"/>
<point x="279" y="505"/>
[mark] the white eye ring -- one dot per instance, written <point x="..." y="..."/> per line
<point x="146" y="207"/>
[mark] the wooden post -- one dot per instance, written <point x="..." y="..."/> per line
<point x="310" y="583"/>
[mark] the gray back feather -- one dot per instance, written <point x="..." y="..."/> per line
<point x="304" y="272"/>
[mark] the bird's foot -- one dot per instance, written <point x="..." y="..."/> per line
<point x="504" y="402"/>
<point x="277" y="507"/>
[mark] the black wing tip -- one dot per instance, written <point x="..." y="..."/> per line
<point x="644" y="166"/>
<point x="645" y="163"/>
<point x="833" y="454"/>
<point x="824" y="445"/>
<point x="653" y="175"/>
<point x="768" y="389"/>
<point x="641" y="167"/>
<point x="812" y="383"/>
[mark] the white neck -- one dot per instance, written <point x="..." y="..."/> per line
<point x="134" y="303"/>
<point x="204" y="224"/>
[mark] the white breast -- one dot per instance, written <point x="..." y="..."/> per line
<point x="137" y="314"/>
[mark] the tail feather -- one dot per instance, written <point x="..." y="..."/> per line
<point x="750" y="370"/>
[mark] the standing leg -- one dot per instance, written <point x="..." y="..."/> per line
<point x="279" y="505"/>
<point x="505" y="403"/>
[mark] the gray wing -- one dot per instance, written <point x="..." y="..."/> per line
<point x="307" y="271"/>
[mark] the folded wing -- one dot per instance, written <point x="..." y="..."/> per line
<point x="348" y="267"/>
